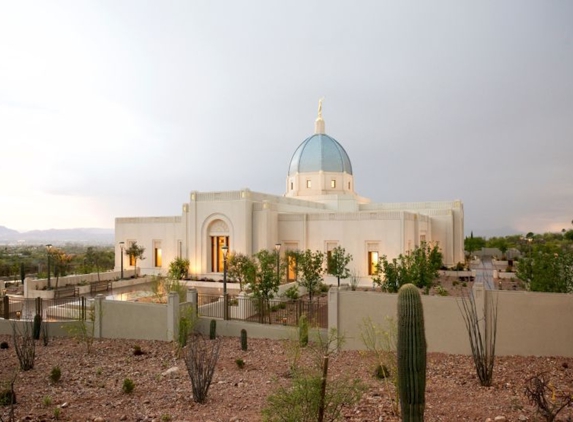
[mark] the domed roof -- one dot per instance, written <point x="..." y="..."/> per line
<point x="320" y="152"/>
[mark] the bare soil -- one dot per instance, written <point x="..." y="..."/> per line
<point x="90" y="388"/>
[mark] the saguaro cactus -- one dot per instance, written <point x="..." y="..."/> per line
<point x="411" y="354"/>
<point x="37" y="326"/>
<point x="243" y="339"/>
<point x="213" y="329"/>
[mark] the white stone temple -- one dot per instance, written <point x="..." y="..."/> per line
<point x="319" y="211"/>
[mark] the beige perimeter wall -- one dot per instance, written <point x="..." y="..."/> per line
<point x="537" y="324"/>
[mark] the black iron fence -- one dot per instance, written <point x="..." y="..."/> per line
<point x="274" y="311"/>
<point x="60" y="309"/>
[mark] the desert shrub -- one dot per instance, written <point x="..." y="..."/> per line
<point x="201" y="360"/>
<point x="380" y="342"/>
<point x="187" y="322"/>
<point x="55" y="374"/>
<point x="440" y="291"/>
<point x="7" y="396"/>
<point x="47" y="401"/>
<point x="137" y="350"/>
<point x="548" y="401"/>
<point x="24" y="345"/>
<point x="240" y="363"/>
<point x="4" y="345"/>
<point x="128" y="386"/>
<point x="83" y="330"/>
<point x="312" y="395"/>
<point x="57" y="413"/>
<point x="292" y="292"/>
<point x="303" y="331"/>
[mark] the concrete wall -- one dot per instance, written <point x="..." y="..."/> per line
<point x="133" y="320"/>
<point x="55" y="329"/>
<point x="528" y="323"/>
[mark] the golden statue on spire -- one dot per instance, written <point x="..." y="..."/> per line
<point x="320" y="108"/>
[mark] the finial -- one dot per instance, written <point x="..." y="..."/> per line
<point x="319" y="123"/>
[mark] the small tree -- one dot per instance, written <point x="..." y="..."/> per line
<point x="135" y="252"/>
<point x="311" y="267"/>
<point x="241" y="268"/>
<point x="267" y="282"/>
<point x="337" y="263"/>
<point x="94" y="257"/>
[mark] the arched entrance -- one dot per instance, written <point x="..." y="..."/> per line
<point x="218" y="233"/>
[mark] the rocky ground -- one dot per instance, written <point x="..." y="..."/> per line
<point x="90" y="388"/>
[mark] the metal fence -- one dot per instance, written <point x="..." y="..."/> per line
<point x="62" y="309"/>
<point x="274" y="311"/>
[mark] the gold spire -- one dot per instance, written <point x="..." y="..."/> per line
<point x="319" y="123"/>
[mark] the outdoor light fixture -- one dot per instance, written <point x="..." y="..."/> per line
<point x="48" y="246"/>
<point x="225" y="250"/>
<point x="121" y="247"/>
<point x="278" y="251"/>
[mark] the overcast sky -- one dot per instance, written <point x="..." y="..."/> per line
<point x="121" y="108"/>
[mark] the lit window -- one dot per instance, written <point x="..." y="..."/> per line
<point x="372" y="261"/>
<point x="291" y="274"/>
<point x="308" y="184"/>
<point x="157" y="255"/>
<point x="333" y="183"/>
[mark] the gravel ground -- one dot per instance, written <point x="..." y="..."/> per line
<point x="90" y="388"/>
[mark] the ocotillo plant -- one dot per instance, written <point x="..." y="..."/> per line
<point x="411" y="354"/>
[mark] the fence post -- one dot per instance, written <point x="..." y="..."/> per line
<point x="193" y="298"/>
<point x="172" y="316"/>
<point x="6" y="307"/>
<point x="98" y="315"/>
<point x="83" y="309"/>
<point x="225" y="306"/>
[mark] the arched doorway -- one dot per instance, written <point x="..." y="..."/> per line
<point x="218" y="233"/>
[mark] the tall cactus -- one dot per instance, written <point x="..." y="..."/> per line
<point x="411" y="354"/>
<point x="243" y="339"/>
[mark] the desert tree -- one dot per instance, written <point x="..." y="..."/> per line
<point x="267" y="279"/>
<point x="135" y="252"/>
<point x="337" y="263"/>
<point x="311" y="270"/>
<point x="242" y="268"/>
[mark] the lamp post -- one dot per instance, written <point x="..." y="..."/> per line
<point x="225" y="250"/>
<point x="121" y="247"/>
<point x="48" y="246"/>
<point x="278" y="251"/>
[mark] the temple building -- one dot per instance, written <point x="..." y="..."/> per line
<point x="319" y="211"/>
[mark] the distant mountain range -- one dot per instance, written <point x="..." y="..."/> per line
<point x="57" y="236"/>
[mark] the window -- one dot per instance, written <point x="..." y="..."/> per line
<point x="291" y="273"/>
<point x="333" y="183"/>
<point x="308" y="184"/>
<point x="217" y="256"/>
<point x="291" y="185"/>
<point x="348" y="185"/>
<point x="372" y="261"/>
<point x="179" y="249"/>
<point x="157" y="255"/>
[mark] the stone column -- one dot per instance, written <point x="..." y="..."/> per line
<point x="172" y="316"/>
<point x="98" y="316"/>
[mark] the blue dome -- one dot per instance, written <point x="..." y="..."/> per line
<point x="320" y="152"/>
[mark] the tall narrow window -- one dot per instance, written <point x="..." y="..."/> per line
<point x="333" y="183"/>
<point x="291" y="185"/>
<point x="372" y="261"/>
<point x="291" y="273"/>
<point x="308" y="184"/>
<point x="157" y="254"/>
<point x="217" y="257"/>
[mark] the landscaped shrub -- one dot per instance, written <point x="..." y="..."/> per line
<point x="292" y="292"/>
<point x="56" y="374"/>
<point x="240" y="363"/>
<point x="128" y="386"/>
<point x="137" y="350"/>
<point x="4" y="345"/>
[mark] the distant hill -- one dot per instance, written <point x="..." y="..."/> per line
<point x="93" y="236"/>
